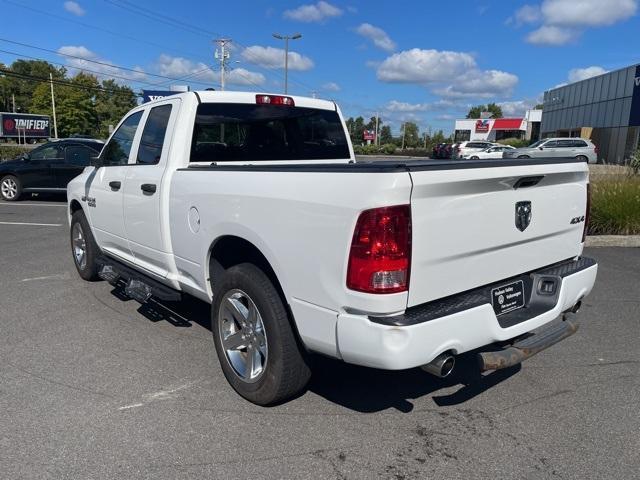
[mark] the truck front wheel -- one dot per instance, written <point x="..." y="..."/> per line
<point x="255" y="343"/>
<point x="83" y="247"/>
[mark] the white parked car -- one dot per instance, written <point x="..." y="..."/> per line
<point x="491" y="152"/>
<point x="466" y="149"/>
<point x="255" y="204"/>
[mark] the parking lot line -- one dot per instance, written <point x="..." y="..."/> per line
<point x="32" y="224"/>
<point x="7" y="204"/>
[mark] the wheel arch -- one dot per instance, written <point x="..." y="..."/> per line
<point x="229" y="250"/>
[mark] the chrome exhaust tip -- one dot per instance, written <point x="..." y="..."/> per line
<point x="576" y="307"/>
<point x="441" y="366"/>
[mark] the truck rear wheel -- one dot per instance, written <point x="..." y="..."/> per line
<point x="256" y="346"/>
<point x="83" y="247"/>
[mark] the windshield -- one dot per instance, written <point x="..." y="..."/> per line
<point x="247" y="132"/>
<point x="537" y="144"/>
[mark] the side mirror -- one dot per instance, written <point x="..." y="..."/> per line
<point x="541" y="148"/>
<point x="24" y="157"/>
<point x="95" y="162"/>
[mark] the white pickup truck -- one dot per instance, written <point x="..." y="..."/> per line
<point x="255" y="204"/>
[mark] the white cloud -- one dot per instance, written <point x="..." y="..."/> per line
<point x="563" y="21"/>
<point x="178" y="67"/>
<point x="517" y="108"/>
<point x="75" y="8"/>
<point x="269" y="57"/>
<point x="480" y="84"/>
<point x="424" y="66"/>
<point x="450" y="74"/>
<point x="552" y="35"/>
<point x="317" y="12"/>
<point x="331" y="87"/>
<point x="79" y="58"/>
<point x="378" y="36"/>
<point x="396" y="106"/>
<point x="242" y="76"/>
<point x="526" y="14"/>
<point x="577" y="74"/>
<point x="587" y="13"/>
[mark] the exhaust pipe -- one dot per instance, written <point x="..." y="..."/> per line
<point x="441" y="366"/>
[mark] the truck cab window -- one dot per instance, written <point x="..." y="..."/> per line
<point x="116" y="152"/>
<point x="153" y="135"/>
<point x="248" y="132"/>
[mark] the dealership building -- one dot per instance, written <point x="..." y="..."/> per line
<point x="493" y="129"/>
<point x="605" y="109"/>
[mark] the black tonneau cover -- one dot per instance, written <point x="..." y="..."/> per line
<point x="382" y="164"/>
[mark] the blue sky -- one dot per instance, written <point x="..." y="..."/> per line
<point x="424" y="61"/>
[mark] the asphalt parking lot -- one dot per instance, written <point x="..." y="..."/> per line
<point x="93" y="385"/>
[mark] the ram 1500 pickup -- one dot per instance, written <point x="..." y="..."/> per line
<point x="256" y="204"/>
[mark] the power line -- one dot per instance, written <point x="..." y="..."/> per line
<point x="107" y="64"/>
<point x="24" y="76"/>
<point x="98" y="28"/>
<point x="150" y="14"/>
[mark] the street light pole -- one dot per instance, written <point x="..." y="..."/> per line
<point x="286" y="39"/>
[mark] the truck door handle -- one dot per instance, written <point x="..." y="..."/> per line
<point x="148" y="188"/>
<point x="115" y="186"/>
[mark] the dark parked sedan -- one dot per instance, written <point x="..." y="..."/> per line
<point x="47" y="168"/>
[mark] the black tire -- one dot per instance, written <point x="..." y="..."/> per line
<point x="582" y="158"/>
<point x="5" y="188"/>
<point x="285" y="372"/>
<point x="475" y="157"/>
<point x="524" y="156"/>
<point x="88" y="269"/>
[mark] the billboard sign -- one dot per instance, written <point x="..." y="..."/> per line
<point x="151" y="95"/>
<point x="17" y="124"/>
<point x="482" y="126"/>
<point x="369" y="135"/>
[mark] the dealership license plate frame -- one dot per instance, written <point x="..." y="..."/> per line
<point x="508" y="305"/>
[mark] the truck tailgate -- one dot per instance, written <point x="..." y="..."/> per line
<point x="464" y="224"/>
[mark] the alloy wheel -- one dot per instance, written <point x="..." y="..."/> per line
<point x="9" y="188"/>
<point x="79" y="246"/>
<point x="242" y="335"/>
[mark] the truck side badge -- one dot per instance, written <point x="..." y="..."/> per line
<point x="523" y="215"/>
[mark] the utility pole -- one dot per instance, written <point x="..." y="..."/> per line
<point x="286" y="39"/>
<point x="222" y="55"/>
<point x="377" y="142"/>
<point x="53" y="107"/>
<point x="13" y="99"/>
<point x="404" y="131"/>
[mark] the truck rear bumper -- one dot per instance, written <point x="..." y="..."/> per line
<point x="458" y="324"/>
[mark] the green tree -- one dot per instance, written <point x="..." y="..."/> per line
<point x="494" y="109"/>
<point x="411" y="134"/>
<point x="356" y="130"/>
<point x="21" y="88"/>
<point x="385" y="135"/>
<point x="539" y="106"/>
<point x="111" y="104"/>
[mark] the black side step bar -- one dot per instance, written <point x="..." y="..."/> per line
<point x="527" y="348"/>
<point x="139" y="286"/>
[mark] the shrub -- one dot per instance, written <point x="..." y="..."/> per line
<point x="515" y="142"/>
<point x="615" y="205"/>
<point x="634" y="164"/>
<point x="9" y="152"/>
<point x="388" y="148"/>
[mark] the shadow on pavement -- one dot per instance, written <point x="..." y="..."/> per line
<point x="358" y="388"/>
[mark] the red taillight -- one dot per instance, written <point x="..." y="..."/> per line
<point x="587" y="213"/>
<point x="275" y="100"/>
<point x="380" y="256"/>
<point x="595" y="149"/>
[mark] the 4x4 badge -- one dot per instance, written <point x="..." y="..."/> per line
<point x="523" y="215"/>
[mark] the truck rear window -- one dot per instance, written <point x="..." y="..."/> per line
<point x="245" y="132"/>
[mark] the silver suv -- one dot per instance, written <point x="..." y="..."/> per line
<point x="466" y="149"/>
<point x="578" y="148"/>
